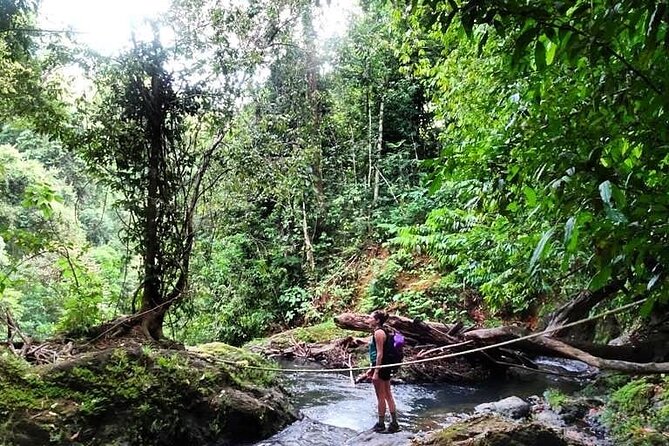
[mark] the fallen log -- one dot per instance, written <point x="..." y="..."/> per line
<point x="550" y="346"/>
<point x="415" y="330"/>
<point x="435" y="333"/>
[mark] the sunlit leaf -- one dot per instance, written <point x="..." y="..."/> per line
<point x="540" y="248"/>
<point x="569" y="229"/>
<point x="653" y="280"/>
<point x="530" y="196"/>
<point x="551" y="49"/>
<point x="605" y="192"/>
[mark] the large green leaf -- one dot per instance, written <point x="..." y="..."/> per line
<point x="540" y="249"/>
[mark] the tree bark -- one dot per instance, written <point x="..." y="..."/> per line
<point x="151" y="298"/>
<point x="550" y="346"/>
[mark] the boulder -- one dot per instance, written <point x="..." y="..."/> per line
<point x="512" y="407"/>
<point x="494" y="430"/>
<point x="308" y="432"/>
<point x="138" y="397"/>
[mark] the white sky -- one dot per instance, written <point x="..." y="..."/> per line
<point x="106" y="25"/>
<point x="103" y="25"/>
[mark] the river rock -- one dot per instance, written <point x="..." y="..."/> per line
<point x="308" y="432"/>
<point x="550" y="418"/>
<point x="494" y="430"/>
<point x="370" y="438"/>
<point x="512" y="407"/>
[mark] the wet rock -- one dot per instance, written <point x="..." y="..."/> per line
<point x="307" y="432"/>
<point x="369" y="438"/>
<point x="512" y="407"/>
<point x="493" y="430"/>
<point x="550" y="418"/>
<point x="573" y="411"/>
<point x="572" y="420"/>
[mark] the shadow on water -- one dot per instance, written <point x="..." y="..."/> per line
<point x="332" y="399"/>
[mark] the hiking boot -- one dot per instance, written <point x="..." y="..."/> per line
<point x="393" y="427"/>
<point x="379" y="427"/>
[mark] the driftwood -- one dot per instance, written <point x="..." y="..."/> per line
<point x="438" y="336"/>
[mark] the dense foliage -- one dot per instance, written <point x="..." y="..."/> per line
<point x="439" y="157"/>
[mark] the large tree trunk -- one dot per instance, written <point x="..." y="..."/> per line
<point x="151" y="298"/>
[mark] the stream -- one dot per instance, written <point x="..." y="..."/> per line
<point x="337" y="412"/>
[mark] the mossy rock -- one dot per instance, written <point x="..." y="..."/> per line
<point x="140" y="397"/>
<point x="491" y="430"/>
<point x="637" y="413"/>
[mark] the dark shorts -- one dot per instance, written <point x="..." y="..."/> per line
<point x="386" y="372"/>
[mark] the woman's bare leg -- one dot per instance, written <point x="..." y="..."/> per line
<point x="379" y="388"/>
<point x="388" y="396"/>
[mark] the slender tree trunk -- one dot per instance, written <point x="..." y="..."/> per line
<point x="308" y="248"/>
<point x="369" y="139"/>
<point x="353" y="157"/>
<point x="313" y="100"/>
<point x="379" y="147"/>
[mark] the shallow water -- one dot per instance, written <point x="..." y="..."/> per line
<point x="332" y="399"/>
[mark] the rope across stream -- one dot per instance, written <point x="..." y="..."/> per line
<point x="243" y="364"/>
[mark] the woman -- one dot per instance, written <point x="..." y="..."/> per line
<point x="381" y="377"/>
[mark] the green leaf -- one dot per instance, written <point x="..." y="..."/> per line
<point x="618" y="196"/>
<point x="568" y="230"/>
<point x="551" y="48"/>
<point x="541" y="248"/>
<point x="522" y="43"/>
<point x="615" y="215"/>
<point x="600" y="279"/>
<point x="530" y="196"/>
<point x="481" y="44"/>
<point x="605" y="192"/>
<point x="653" y="280"/>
